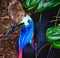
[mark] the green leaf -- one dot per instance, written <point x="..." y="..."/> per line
<point x="47" y="5"/>
<point x="56" y="44"/>
<point x="30" y="4"/>
<point x="53" y="36"/>
<point x="26" y="3"/>
<point x="40" y="5"/>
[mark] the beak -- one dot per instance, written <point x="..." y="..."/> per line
<point x="20" y="26"/>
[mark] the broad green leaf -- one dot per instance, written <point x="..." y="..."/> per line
<point x="47" y="5"/>
<point x="53" y="36"/>
<point x="30" y="4"/>
<point x="26" y="3"/>
<point x="56" y="44"/>
<point x="40" y="5"/>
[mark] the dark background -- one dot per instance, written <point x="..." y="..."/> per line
<point x="40" y="35"/>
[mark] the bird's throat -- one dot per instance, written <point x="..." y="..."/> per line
<point x="20" y="52"/>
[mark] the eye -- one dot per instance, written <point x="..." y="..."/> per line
<point x="28" y="21"/>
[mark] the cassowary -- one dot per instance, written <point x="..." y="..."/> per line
<point x="40" y="31"/>
<point x="20" y="20"/>
<point x="26" y="35"/>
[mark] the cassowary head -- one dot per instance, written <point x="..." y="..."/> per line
<point x="16" y="12"/>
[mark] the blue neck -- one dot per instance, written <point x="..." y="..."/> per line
<point x="26" y="35"/>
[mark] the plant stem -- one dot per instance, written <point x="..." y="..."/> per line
<point x="40" y="17"/>
<point x="36" y="55"/>
<point x="36" y="50"/>
<point x="57" y="17"/>
<point x="41" y="49"/>
<point x="53" y="21"/>
<point x="49" y="51"/>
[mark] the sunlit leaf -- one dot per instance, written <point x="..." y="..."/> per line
<point x="53" y="36"/>
<point x="30" y="4"/>
<point x="44" y="5"/>
<point x="40" y="5"/>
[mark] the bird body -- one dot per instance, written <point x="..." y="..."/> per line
<point x="26" y="34"/>
<point x="24" y="22"/>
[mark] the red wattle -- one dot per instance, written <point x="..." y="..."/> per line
<point x="20" y="53"/>
<point x="33" y="42"/>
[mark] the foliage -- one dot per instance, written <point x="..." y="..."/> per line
<point x="53" y="36"/>
<point x="40" y="5"/>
